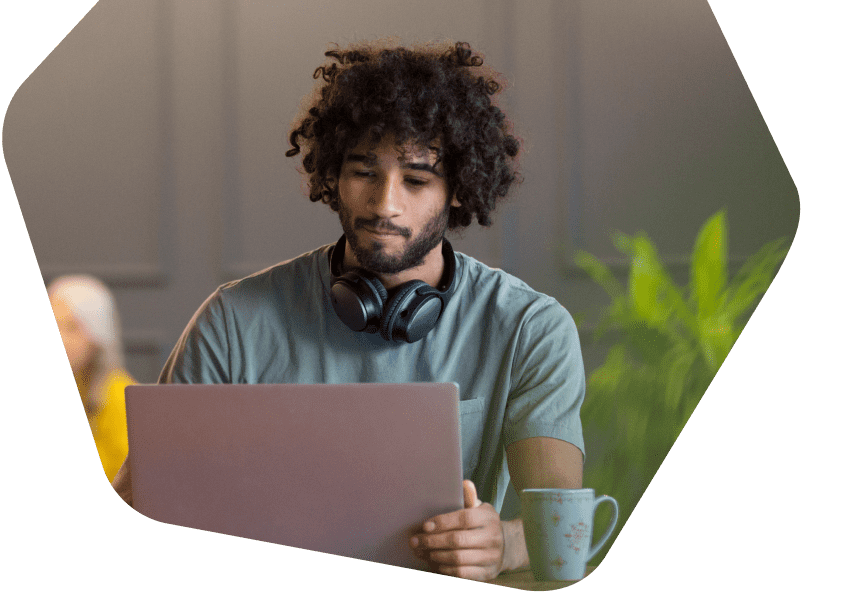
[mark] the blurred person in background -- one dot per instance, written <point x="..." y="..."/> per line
<point x="91" y="332"/>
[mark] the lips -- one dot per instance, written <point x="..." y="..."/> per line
<point x="381" y="228"/>
<point x="382" y="234"/>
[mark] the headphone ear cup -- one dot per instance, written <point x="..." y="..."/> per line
<point x="411" y="313"/>
<point x="359" y="301"/>
<point x="392" y="323"/>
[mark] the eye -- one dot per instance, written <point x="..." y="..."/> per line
<point x="414" y="181"/>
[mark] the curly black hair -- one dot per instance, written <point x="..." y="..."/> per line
<point x="436" y="94"/>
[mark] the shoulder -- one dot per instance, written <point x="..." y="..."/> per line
<point x="501" y="293"/>
<point x="266" y="292"/>
<point x="242" y="315"/>
<point x="279" y="279"/>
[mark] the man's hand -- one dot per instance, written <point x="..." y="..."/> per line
<point x="469" y="543"/>
<point x="474" y="543"/>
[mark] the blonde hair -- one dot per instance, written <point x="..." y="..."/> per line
<point x="93" y="306"/>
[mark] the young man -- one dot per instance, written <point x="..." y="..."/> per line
<point x="405" y="144"/>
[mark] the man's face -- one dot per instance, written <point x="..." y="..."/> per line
<point x="393" y="204"/>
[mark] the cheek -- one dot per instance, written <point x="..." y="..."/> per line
<point x="433" y="206"/>
<point x="350" y="194"/>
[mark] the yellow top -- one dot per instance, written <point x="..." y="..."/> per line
<point x="109" y="424"/>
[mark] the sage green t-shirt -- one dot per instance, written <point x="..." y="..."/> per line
<point x="513" y="352"/>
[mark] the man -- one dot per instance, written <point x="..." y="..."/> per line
<point x="405" y="144"/>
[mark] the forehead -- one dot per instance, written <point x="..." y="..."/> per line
<point x="389" y="150"/>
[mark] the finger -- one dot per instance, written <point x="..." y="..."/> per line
<point x="476" y="573"/>
<point x="470" y="496"/>
<point x="437" y="532"/>
<point x="476" y="538"/>
<point x="463" y="518"/>
<point x="464" y="557"/>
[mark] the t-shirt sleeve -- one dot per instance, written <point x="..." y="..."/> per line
<point x="547" y="379"/>
<point x="201" y="355"/>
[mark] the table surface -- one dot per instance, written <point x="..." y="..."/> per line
<point x="524" y="580"/>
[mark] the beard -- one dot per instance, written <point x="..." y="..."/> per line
<point x="373" y="257"/>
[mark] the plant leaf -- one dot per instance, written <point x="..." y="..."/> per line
<point x="646" y="278"/>
<point x="717" y="334"/>
<point x="656" y="298"/>
<point x="708" y="266"/>
<point x="647" y="342"/>
<point x="677" y="379"/>
<point x="754" y="277"/>
<point x="599" y="273"/>
<point x="664" y="355"/>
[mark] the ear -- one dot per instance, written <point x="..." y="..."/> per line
<point x="454" y="203"/>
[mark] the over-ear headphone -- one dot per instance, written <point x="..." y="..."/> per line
<point x="363" y="303"/>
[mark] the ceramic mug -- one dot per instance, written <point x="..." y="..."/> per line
<point x="558" y="526"/>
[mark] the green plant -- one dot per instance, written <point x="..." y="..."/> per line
<point x="668" y="345"/>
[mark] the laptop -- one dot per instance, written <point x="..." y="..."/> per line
<point x="347" y="469"/>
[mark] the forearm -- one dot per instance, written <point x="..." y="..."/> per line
<point x="537" y="462"/>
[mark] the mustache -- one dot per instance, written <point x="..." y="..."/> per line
<point x="382" y="225"/>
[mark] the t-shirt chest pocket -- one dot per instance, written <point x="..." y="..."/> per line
<point x="472" y="415"/>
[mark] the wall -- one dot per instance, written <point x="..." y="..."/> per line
<point x="148" y="149"/>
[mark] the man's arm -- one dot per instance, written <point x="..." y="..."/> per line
<point x="473" y="542"/>
<point x="538" y="462"/>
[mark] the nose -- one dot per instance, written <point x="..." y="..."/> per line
<point x="387" y="200"/>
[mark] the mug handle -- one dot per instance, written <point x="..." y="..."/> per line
<point x="599" y="500"/>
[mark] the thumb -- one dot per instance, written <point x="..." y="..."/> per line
<point x="470" y="496"/>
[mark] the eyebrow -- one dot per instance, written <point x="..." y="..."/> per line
<point x="370" y="160"/>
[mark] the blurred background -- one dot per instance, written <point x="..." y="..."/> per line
<point x="148" y="149"/>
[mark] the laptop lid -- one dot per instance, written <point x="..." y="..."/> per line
<point x="347" y="469"/>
